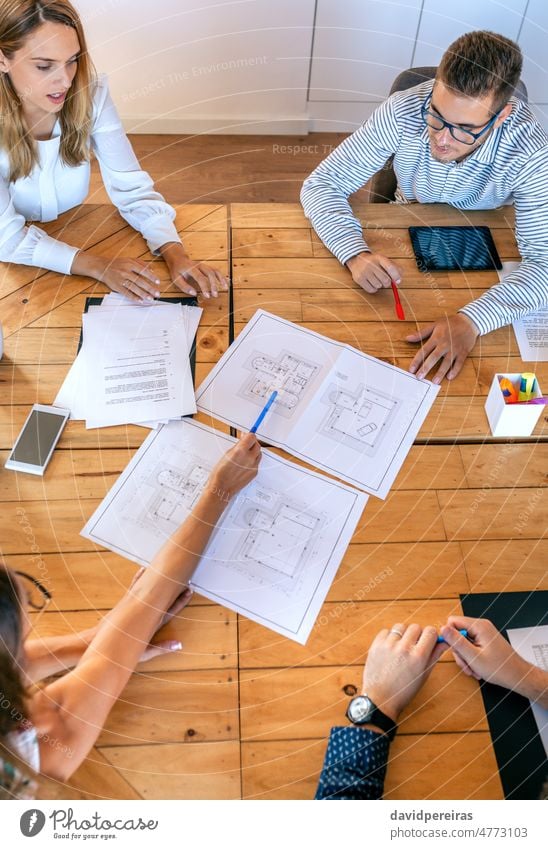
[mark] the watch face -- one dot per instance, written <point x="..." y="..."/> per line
<point x="360" y="709"/>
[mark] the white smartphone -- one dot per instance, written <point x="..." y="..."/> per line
<point x="39" y="436"/>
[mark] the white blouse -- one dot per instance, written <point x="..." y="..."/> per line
<point x="53" y="187"/>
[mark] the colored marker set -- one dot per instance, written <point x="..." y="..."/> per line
<point x="521" y="392"/>
<point x="514" y="404"/>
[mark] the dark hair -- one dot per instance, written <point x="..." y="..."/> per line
<point x="12" y="688"/>
<point x="481" y="63"/>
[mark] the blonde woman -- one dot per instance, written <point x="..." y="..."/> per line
<point x="51" y="730"/>
<point x="54" y="114"/>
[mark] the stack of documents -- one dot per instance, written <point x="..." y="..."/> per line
<point x="134" y="365"/>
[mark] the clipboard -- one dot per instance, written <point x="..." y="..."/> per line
<point x="518" y="747"/>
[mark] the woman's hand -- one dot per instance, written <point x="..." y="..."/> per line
<point x="489" y="656"/>
<point x="165" y="646"/>
<point x="237" y="468"/>
<point x="130" y="277"/>
<point x="192" y="277"/>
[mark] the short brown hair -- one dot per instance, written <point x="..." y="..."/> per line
<point x="481" y="63"/>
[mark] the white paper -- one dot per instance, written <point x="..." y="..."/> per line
<point x="532" y="645"/>
<point x="532" y="336"/>
<point x="339" y="409"/>
<point x="531" y="330"/>
<point x="276" y="548"/>
<point x="80" y="387"/>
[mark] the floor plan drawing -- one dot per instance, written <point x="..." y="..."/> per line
<point x="291" y="375"/>
<point x="281" y="537"/>
<point x="358" y="419"/>
<point x="165" y="496"/>
<point x="273" y="551"/>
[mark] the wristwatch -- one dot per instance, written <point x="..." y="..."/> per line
<point x="362" y="710"/>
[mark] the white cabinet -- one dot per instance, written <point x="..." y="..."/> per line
<point x="533" y="41"/>
<point x="359" y="47"/>
<point x="441" y="23"/>
<point x="224" y="65"/>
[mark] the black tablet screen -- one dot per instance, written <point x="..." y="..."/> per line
<point x="449" y="248"/>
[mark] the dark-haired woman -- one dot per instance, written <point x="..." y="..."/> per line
<point x="51" y="730"/>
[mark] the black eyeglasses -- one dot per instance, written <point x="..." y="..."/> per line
<point x="458" y="133"/>
<point x="38" y="596"/>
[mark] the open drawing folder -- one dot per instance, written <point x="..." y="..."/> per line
<point x="338" y="409"/>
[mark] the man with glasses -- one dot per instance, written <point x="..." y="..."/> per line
<point x="464" y="140"/>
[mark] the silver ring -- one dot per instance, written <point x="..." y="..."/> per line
<point x="395" y="631"/>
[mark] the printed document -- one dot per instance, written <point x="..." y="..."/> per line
<point x="532" y="645"/>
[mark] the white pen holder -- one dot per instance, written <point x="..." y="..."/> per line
<point x="511" y="419"/>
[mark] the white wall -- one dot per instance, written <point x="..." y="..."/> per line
<point x="349" y="72"/>
<point x="250" y="66"/>
<point x="192" y="65"/>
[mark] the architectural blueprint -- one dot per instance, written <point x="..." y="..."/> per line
<point x="359" y="419"/>
<point x="277" y="547"/>
<point x="337" y="408"/>
<point x="291" y="375"/>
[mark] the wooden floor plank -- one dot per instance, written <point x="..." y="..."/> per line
<point x="495" y="514"/>
<point x="505" y="465"/>
<point x="282" y="215"/>
<point x="342" y="634"/>
<point x="69" y="314"/>
<point x="510" y="565"/>
<point x="180" y="770"/>
<point x="290" y="769"/>
<point x="96" y="778"/>
<point x="174" y="707"/>
<point x="400" y="570"/>
<point x="318" y="273"/>
<point x="300" y="704"/>
<point x="208" y="632"/>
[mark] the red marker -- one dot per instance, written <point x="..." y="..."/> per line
<point x="399" y="308"/>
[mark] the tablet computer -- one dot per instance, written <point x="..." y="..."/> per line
<point x="454" y="248"/>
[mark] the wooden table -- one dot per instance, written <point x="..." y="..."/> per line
<point x="242" y="711"/>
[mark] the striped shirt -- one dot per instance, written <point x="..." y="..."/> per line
<point x="511" y="166"/>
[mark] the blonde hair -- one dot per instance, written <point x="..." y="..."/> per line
<point x="18" y="19"/>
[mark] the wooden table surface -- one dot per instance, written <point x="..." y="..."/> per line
<point x="241" y="711"/>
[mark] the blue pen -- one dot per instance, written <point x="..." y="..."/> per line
<point x="264" y="411"/>
<point x="441" y="640"/>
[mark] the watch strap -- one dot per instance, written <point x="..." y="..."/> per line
<point x="378" y="718"/>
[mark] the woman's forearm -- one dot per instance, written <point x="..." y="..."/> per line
<point x="50" y="655"/>
<point x="534" y="685"/>
<point x="86" y="264"/>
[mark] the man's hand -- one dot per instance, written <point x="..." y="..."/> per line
<point x="192" y="277"/>
<point x="373" y="271"/>
<point x="448" y="339"/>
<point x="397" y="666"/>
